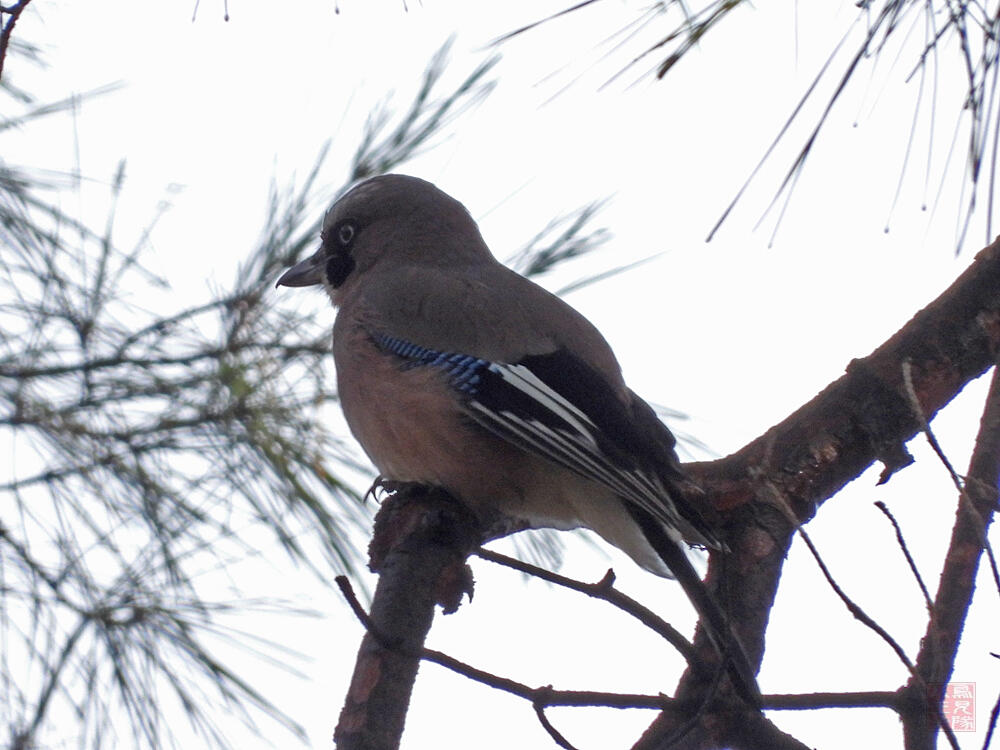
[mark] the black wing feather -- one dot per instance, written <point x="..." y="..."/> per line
<point x="557" y="406"/>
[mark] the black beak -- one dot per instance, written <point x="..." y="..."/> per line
<point x="308" y="272"/>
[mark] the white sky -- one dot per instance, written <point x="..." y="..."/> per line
<point x="734" y="333"/>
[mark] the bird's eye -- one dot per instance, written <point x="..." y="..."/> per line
<point x="345" y="234"/>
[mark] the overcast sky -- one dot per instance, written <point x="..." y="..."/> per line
<point x="735" y="333"/>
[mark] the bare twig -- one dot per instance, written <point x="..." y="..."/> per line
<point x="992" y="723"/>
<point x="858" y="613"/>
<point x="866" y="620"/>
<point x="906" y="553"/>
<point x="939" y="452"/>
<point x="540" y="696"/>
<point x="918" y="412"/>
<point x="546" y="696"/>
<point x="605" y="591"/>
<point x="808" y="701"/>
<point x="554" y="733"/>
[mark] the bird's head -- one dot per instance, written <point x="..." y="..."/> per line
<point x="389" y="221"/>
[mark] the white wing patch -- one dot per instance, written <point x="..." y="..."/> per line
<point x="528" y="383"/>
<point x="573" y="444"/>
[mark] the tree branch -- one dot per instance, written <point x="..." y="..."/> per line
<point x="906" y="553"/>
<point x="863" y="417"/>
<point x="547" y="697"/>
<point x="858" y="699"/>
<point x="605" y="591"/>
<point x="976" y="507"/>
<point x="421" y="541"/>
<point x="7" y="27"/>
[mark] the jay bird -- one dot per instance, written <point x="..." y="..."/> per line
<point x="455" y="371"/>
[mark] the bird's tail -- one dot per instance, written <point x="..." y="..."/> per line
<point x="712" y="618"/>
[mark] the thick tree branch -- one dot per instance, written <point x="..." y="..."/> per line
<point x="421" y="541"/>
<point x="976" y="507"/>
<point x="863" y="417"/>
